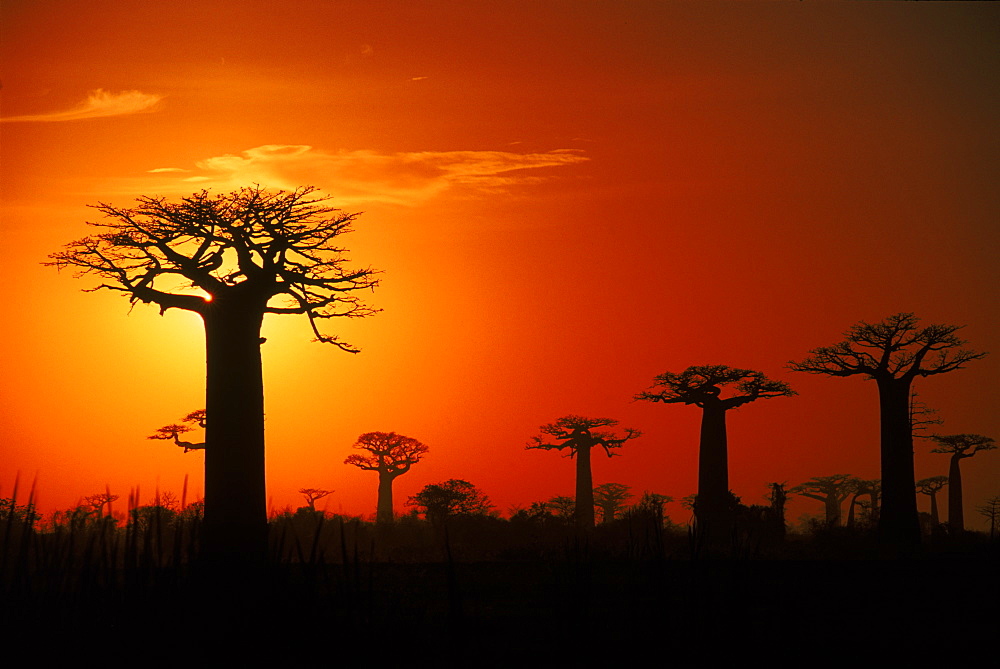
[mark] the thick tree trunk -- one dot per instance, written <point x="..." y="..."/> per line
<point x="832" y="505"/>
<point x="898" y="523"/>
<point x="384" y="513"/>
<point x="584" y="489"/>
<point x="713" y="507"/>
<point x="956" y="520"/>
<point x="235" y="529"/>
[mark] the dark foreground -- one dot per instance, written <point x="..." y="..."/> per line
<point x="570" y="612"/>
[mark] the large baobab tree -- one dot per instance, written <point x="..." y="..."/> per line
<point x="579" y="435"/>
<point x="703" y="386"/>
<point x="831" y="490"/>
<point x="230" y="258"/>
<point x="931" y="486"/>
<point x="959" y="446"/>
<point x="391" y="455"/>
<point x="893" y="353"/>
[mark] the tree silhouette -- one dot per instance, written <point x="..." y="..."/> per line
<point x="831" y="490"/>
<point x="610" y="498"/>
<point x="931" y="486"/>
<point x="861" y="487"/>
<point x="991" y="510"/>
<point x="703" y="386"/>
<point x="453" y="497"/>
<point x="391" y="455"/>
<point x="231" y="259"/>
<point x="97" y="502"/>
<point x="893" y="352"/>
<point x="578" y="435"/>
<point x="313" y="494"/>
<point x="174" y="430"/>
<point x="959" y="446"/>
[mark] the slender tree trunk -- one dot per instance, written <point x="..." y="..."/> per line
<point x="712" y="507"/>
<point x="956" y="520"/>
<point x="935" y="517"/>
<point x="584" y="489"/>
<point x="235" y="529"/>
<point x="850" y="510"/>
<point x="384" y="513"/>
<point x="898" y="524"/>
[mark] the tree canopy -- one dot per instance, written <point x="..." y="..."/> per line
<point x="185" y="255"/>
<point x="896" y="347"/>
<point x="702" y="384"/>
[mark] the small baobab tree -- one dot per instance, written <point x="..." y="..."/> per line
<point x="174" y="430"/>
<point x="960" y="447"/>
<point x="990" y="509"/>
<point x="893" y="353"/>
<point x="870" y="488"/>
<point x="610" y="498"/>
<point x="931" y="486"/>
<point x="313" y="494"/>
<point x="391" y="455"/>
<point x="704" y="387"/>
<point x="230" y="258"/>
<point x="831" y="490"/>
<point x="579" y="435"/>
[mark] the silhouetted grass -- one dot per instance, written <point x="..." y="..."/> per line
<point x="532" y="593"/>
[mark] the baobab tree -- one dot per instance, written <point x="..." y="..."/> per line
<point x="579" y="435"/>
<point x="313" y="494"/>
<point x="959" y="446"/>
<point x="931" y="486"/>
<point x="610" y="498"/>
<point x="893" y="353"/>
<point x="391" y="455"/>
<point x="831" y="490"/>
<point x="703" y="387"/>
<point x="174" y="430"/>
<point x="230" y="258"/>
<point x="872" y="488"/>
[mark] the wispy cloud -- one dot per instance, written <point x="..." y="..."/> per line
<point x="99" y="103"/>
<point x="368" y="176"/>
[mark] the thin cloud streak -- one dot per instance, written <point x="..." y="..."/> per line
<point x="99" y="104"/>
<point x="365" y="176"/>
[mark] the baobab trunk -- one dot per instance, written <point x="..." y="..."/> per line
<point x="935" y="516"/>
<point x="584" y="489"/>
<point x="898" y="523"/>
<point x="956" y="519"/>
<point x="712" y="508"/>
<point x="235" y="529"/>
<point x="384" y="513"/>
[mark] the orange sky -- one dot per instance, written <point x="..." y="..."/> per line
<point x="567" y="199"/>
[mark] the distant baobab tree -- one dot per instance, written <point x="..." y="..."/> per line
<point x="703" y="387"/>
<point x="893" y="353"/>
<point x="230" y="258"/>
<point x="174" y="430"/>
<point x="610" y="498"/>
<point x="831" y="490"/>
<point x="931" y="486"/>
<point x="872" y="488"/>
<point x="990" y="509"/>
<point x="98" y="501"/>
<point x="579" y="435"/>
<point x="391" y="455"/>
<point x="313" y="494"/>
<point x="959" y="446"/>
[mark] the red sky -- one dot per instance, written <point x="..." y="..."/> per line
<point x="566" y="198"/>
